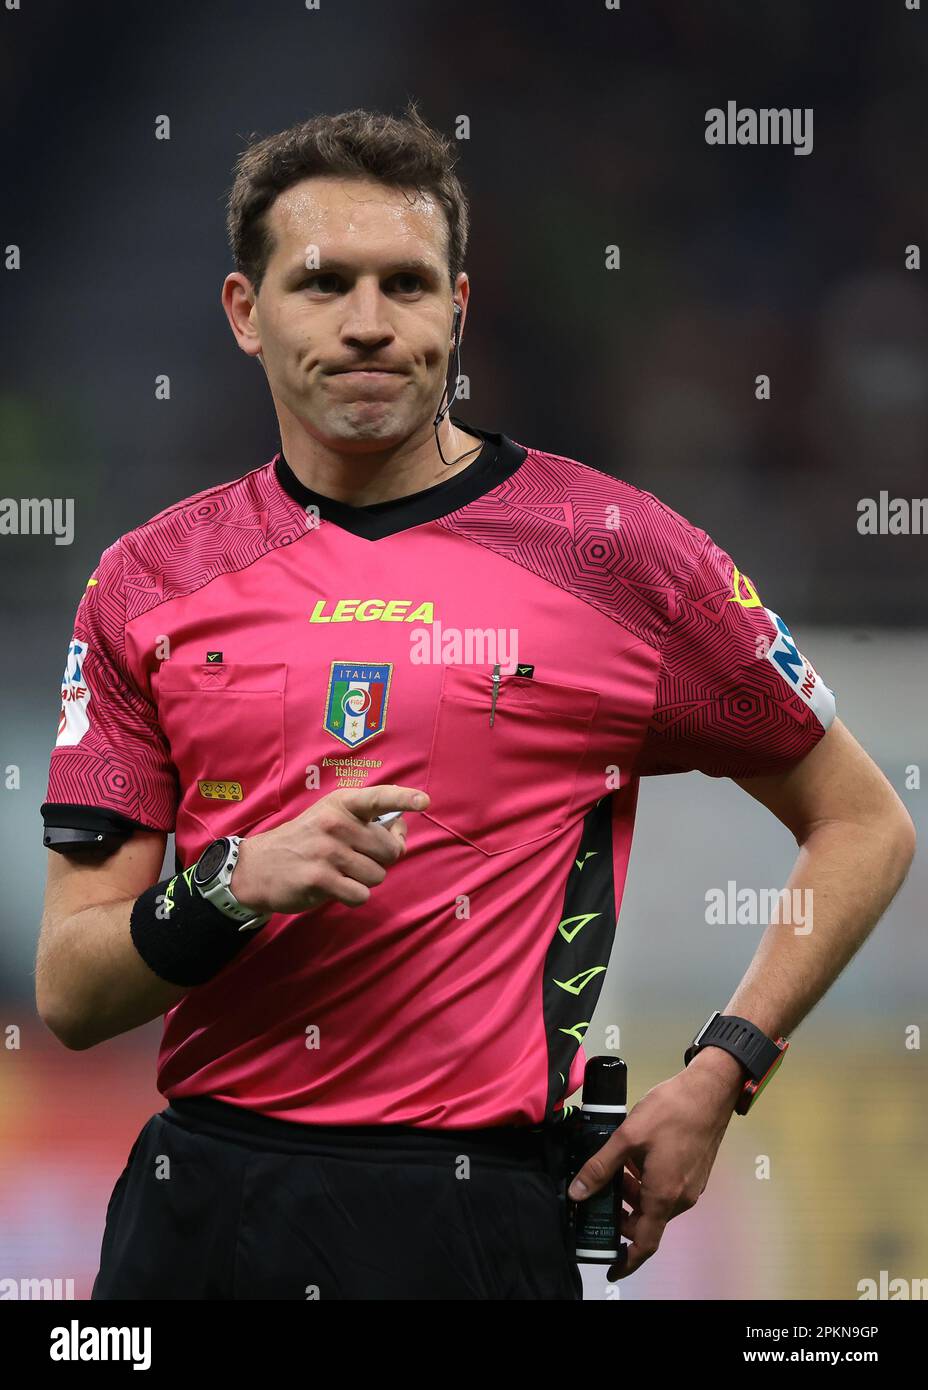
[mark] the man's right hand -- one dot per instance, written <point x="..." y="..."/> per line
<point x="329" y="852"/>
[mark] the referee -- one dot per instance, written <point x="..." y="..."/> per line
<point x="371" y="1026"/>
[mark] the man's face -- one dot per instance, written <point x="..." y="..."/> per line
<point x="357" y="280"/>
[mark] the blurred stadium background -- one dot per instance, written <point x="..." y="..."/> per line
<point x="587" y="129"/>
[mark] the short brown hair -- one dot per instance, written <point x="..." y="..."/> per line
<point x="402" y="152"/>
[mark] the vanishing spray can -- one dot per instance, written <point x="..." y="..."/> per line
<point x="603" y="1107"/>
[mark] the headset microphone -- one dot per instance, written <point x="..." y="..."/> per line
<point x="456" y="348"/>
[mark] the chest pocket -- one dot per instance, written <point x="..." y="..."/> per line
<point x="225" y="726"/>
<point x="503" y="785"/>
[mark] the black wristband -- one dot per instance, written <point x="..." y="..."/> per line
<point x="183" y="938"/>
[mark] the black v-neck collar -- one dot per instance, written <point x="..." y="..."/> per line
<point x="498" y="460"/>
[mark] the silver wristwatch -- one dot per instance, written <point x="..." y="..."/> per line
<point x="212" y="875"/>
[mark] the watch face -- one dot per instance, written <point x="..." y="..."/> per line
<point x="211" y="861"/>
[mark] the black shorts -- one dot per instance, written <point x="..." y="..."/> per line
<point x="217" y="1202"/>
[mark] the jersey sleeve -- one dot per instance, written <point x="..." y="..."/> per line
<point x="734" y="696"/>
<point x="111" y="763"/>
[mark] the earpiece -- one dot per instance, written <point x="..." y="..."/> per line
<point x="456" y="348"/>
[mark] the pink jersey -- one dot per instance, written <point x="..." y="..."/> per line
<point x="258" y="646"/>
